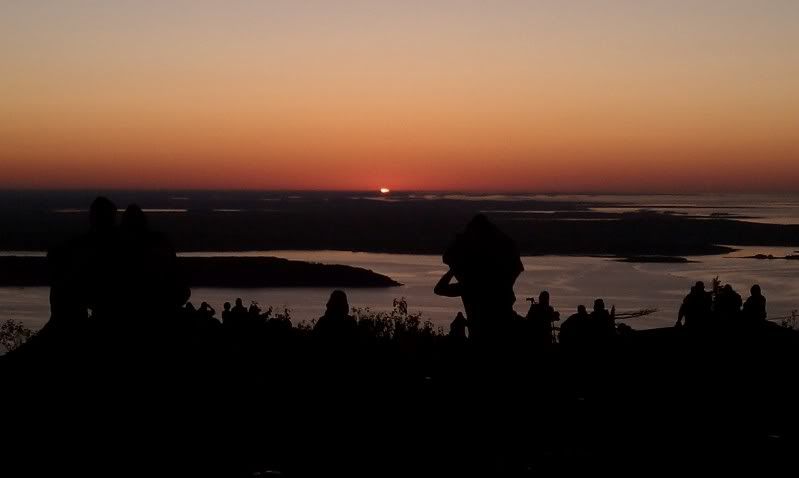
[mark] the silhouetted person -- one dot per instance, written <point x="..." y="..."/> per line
<point x="336" y="324"/>
<point x="206" y="311"/>
<point x="254" y="312"/>
<point x="226" y="313"/>
<point x="728" y="304"/>
<point x="149" y="265"/>
<point x="457" y="329"/>
<point x="696" y="307"/>
<point x="205" y="316"/>
<point x="540" y="317"/>
<point x="84" y="270"/>
<point x="238" y="315"/>
<point x="485" y="263"/>
<point x="754" y="309"/>
<point x="239" y="308"/>
<point x="575" y="329"/>
<point x="134" y="222"/>
<point x="101" y="273"/>
<point x="602" y="323"/>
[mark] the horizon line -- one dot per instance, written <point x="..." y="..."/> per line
<point x="376" y="191"/>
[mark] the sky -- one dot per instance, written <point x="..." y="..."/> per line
<point x="540" y="96"/>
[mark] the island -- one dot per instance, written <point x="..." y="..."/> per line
<point x="655" y="259"/>
<point x="771" y="257"/>
<point x="236" y="272"/>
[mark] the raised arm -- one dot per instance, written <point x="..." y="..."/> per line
<point x="445" y="288"/>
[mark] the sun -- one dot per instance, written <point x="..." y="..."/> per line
<point x="385" y="190"/>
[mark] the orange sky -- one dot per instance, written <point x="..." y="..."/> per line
<point x="538" y="96"/>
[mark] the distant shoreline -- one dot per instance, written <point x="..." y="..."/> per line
<point x="656" y="259"/>
<point x="770" y="257"/>
<point x="406" y="223"/>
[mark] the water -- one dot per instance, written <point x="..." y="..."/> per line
<point x="570" y="280"/>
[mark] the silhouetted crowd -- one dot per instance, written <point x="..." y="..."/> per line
<point x="234" y="318"/>
<point x="115" y="274"/>
<point x="721" y="307"/>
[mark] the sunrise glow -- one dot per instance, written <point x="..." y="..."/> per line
<point x="451" y="95"/>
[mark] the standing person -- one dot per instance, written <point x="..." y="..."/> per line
<point x="603" y="323"/>
<point x="696" y="307"/>
<point x="101" y="260"/>
<point x="239" y="311"/>
<point x="149" y="262"/>
<point x="573" y="329"/>
<point x="540" y="318"/>
<point x="206" y="312"/>
<point x="754" y="310"/>
<point x="82" y="272"/>
<point x="226" y="313"/>
<point x="728" y="304"/>
<point x="485" y="262"/>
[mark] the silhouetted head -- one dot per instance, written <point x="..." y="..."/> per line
<point x="338" y="304"/>
<point x="755" y="290"/>
<point x="581" y="310"/>
<point x="728" y="288"/>
<point x="479" y="224"/>
<point x="133" y="219"/>
<point x="543" y="298"/>
<point x="204" y="306"/>
<point x="226" y="306"/>
<point x="238" y="302"/>
<point x="599" y="304"/>
<point x="699" y="286"/>
<point x="102" y="215"/>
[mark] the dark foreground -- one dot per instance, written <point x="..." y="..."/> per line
<point x="147" y="385"/>
<point x="170" y="397"/>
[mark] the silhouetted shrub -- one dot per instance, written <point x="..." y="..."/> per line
<point x="13" y="334"/>
<point x="397" y="324"/>
<point x="791" y="322"/>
